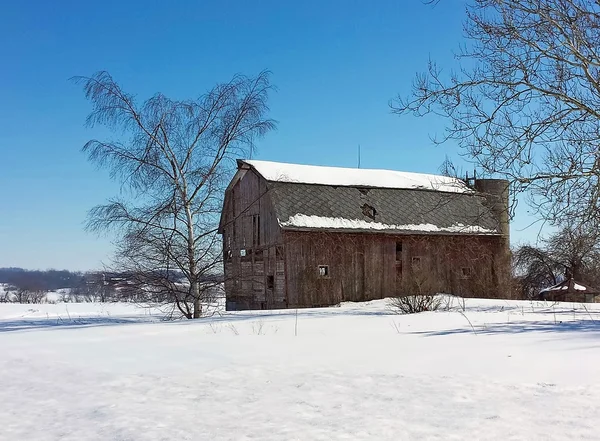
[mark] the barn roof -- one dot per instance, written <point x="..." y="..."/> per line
<point x="355" y="177"/>
<point x="357" y="200"/>
<point x="569" y="285"/>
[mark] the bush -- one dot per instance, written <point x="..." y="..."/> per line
<point x="412" y="304"/>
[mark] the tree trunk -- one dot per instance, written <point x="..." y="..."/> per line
<point x="197" y="304"/>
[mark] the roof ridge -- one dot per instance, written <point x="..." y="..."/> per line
<point x="350" y="177"/>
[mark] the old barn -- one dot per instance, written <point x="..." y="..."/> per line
<point x="304" y="236"/>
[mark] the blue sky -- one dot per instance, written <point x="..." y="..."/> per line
<point x="336" y="65"/>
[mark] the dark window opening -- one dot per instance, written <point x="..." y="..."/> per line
<point x="270" y="282"/>
<point x="398" y="251"/>
<point x="466" y="272"/>
<point x="369" y="211"/>
<point x="324" y="271"/>
<point x="227" y="248"/>
<point x="258" y="255"/>
<point x="256" y="230"/>
<point x="416" y="262"/>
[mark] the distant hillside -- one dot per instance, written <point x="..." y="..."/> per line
<point x="35" y="280"/>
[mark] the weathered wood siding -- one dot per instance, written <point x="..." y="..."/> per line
<point x="367" y="266"/>
<point x="268" y="268"/>
<point x="254" y="274"/>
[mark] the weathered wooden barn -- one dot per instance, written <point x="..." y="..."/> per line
<point x="304" y="236"/>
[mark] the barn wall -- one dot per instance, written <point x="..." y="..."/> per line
<point x="253" y="259"/>
<point x="266" y="268"/>
<point x="368" y="266"/>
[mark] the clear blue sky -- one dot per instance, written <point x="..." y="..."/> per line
<point x="336" y="65"/>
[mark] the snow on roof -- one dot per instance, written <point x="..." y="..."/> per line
<point x="563" y="286"/>
<point x="356" y="177"/>
<point x="304" y="221"/>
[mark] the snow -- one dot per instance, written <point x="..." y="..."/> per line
<point x="558" y="287"/>
<point x="555" y="288"/>
<point x="305" y="221"/>
<point x="525" y="371"/>
<point x="356" y="177"/>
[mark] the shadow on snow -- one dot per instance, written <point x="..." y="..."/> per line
<point x="591" y="327"/>
<point x="22" y="324"/>
<point x="80" y="322"/>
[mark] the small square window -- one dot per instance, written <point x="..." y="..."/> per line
<point x="242" y="253"/>
<point x="324" y="271"/>
<point x="466" y="272"/>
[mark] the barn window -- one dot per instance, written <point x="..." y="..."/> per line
<point x="369" y="211"/>
<point x="324" y="271"/>
<point x="256" y="230"/>
<point x="416" y="262"/>
<point x="242" y="253"/>
<point x="270" y="282"/>
<point x="258" y="255"/>
<point x="398" y="251"/>
<point x="466" y="272"/>
<point x="227" y="248"/>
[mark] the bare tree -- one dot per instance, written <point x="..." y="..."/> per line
<point x="573" y="252"/>
<point x="577" y="250"/>
<point x="535" y="269"/>
<point x="173" y="163"/>
<point x="524" y="102"/>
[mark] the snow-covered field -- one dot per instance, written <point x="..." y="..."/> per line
<point x="502" y="370"/>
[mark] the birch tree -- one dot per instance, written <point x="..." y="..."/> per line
<point x="173" y="159"/>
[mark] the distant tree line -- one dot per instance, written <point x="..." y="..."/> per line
<point x="32" y="286"/>
<point x="36" y="280"/>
